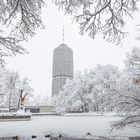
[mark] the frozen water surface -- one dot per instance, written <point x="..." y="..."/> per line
<point x="76" y="126"/>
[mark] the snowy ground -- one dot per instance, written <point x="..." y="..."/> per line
<point x="71" y="125"/>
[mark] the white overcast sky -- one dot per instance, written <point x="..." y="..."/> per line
<point x="37" y="65"/>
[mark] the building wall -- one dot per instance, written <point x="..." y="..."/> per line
<point x="58" y="83"/>
<point x="40" y="109"/>
<point x="47" y="109"/>
<point x="62" y="67"/>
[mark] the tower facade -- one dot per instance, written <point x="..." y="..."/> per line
<point x="62" y="67"/>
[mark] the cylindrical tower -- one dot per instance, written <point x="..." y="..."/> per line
<point x="62" y="67"/>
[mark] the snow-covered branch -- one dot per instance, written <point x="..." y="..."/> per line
<point x="100" y="16"/>
<point x="18" y="20"/>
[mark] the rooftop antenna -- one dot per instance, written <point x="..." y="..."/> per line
<point x="63" y="34"/>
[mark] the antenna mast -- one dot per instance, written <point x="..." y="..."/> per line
<point x="63" y="34"/>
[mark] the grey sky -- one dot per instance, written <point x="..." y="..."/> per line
<point x="37" y="66"/>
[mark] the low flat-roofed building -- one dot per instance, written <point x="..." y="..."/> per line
<point x="40" y="109"/>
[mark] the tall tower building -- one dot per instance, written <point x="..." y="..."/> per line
<point x="62" y="67"/>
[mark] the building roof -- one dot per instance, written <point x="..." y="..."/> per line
<point x="62" y="46"/>
<point x="39" y="106"/>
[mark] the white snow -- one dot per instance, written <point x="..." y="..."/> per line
<point x="22" y="113"/>
<point x="18" y="113"/>
<point x="94" y="114"/>
<point x="70" y="125"/>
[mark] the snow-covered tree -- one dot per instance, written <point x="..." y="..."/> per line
<point x="25" y="92"/>
<point x="12" y="88"/>
<point x="3" y="98"/>
<point x="132" y="64"/>
<point x="74" y="96"/>
<point x="125" y="97"/>
<point x="131" y="89"/>
<point x="81" y="94"/>
<point x="104" y="80"/>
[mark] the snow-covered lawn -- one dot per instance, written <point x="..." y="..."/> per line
<point x="77" y="125"/>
